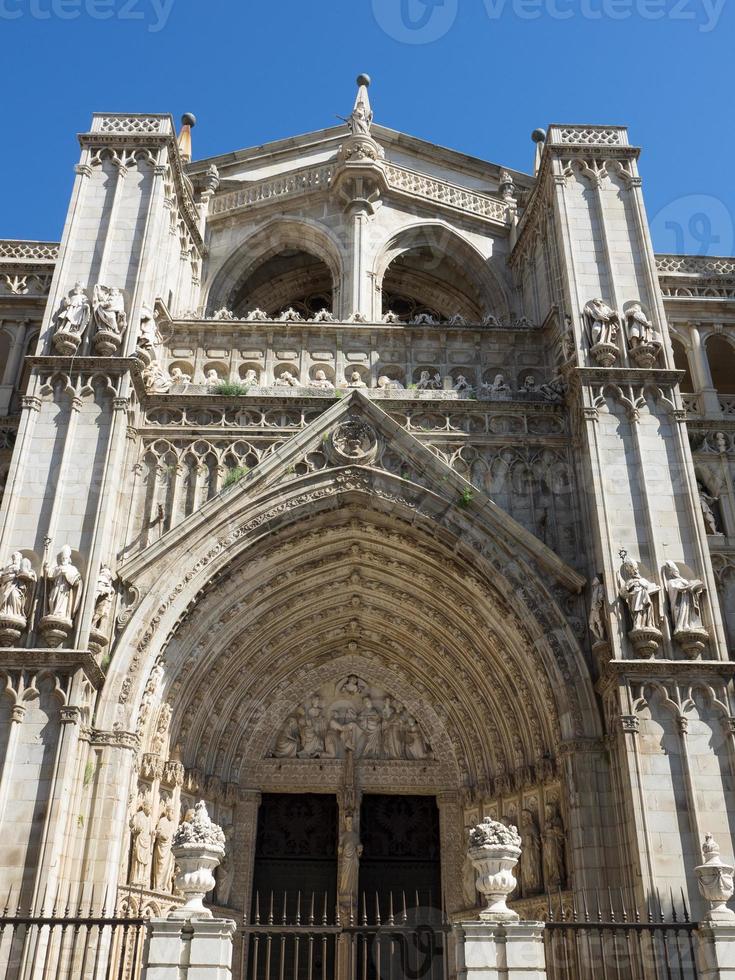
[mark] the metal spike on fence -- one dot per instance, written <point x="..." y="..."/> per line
<point x="391" y="921"/>
<point x="270" y="910"/>
<point x="416" y="898"/>
<point x="55" y="906"/>
<point x="257" y="908"/>
<point x="610" y="901"/>
<point x="7" y="902"/>
<point x="42" y="906"/>
<point x="324" y="910"/>
<point x="599" y="908"/>
<point x="337" y="918"/>
<point x="311" y="910"/>
<point x="90" y="913"/>
<point x="67" y="908"/>
<point x="104" y="901"/>
<point x="673" y="907"/>
<point x="622" y="905"/>
<point x="649" y="907"/>
<point x="550" y="914"/>
<point x="404" y="914"/>
<point x="285" y="913"/>
<point x="574" y="906"/>
<point x="364" y="909"/>
<point x="562" y="910"/>
<point x="685" y="910"/>
<point x="660" y="906"/>
<point x="584" y="905"/>
<point x="377" y="909"/>
<point x="298" y="907"/>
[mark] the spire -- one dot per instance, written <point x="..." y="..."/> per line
<point x="188" y="120"/>
<point x="361" y="118"/>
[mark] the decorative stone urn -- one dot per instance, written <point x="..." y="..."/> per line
<point x="715" y="880"/>
<point x="55" y="630"/>
<point x="645" y="355"/>
<point x="604" y="354"/>
<point x="494" y="851"/>
<point x="645" y="640"/>
<point x="692" y="641"/>
<point x="198" y="847"/>
<point x="106" y="342"/>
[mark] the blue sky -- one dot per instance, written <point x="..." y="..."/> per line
<point x="475" y="75"/>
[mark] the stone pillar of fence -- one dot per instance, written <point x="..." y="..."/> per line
<point x="716" y="933"/>
<point x="497" y="945"/>
<point x="190" y="944"/>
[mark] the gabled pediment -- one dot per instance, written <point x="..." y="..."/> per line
<point x="354" y="434"/>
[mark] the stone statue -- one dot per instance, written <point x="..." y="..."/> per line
<point x="251" y="378"/>
<point x="416" y="747"/>
<point x="553" y="391"/>
<point x="429" y="382"/>
<point x="553" y="849"/>
<point x="705" y="503"/>
<point x="163" y="863"/>
<point x="638" y="594"/>
<point x="640" y="329"/>
<point x="17" y="584"/>
<point x="597" y="621"/>
<point x="350" y="851"/>
<point x="108" y="309"/>
<point x="65" y="588"/>
<point x="162" y="723"/>
<point x="212" y="378"/>
<point x="178" y="377"/>
<point x="462" y="385"/>
<point x="286" y="380"/>
<point x="104" y="590"/>
<point x="287" y="743"/>
<point x="352" y="685"/>
<point x="529" y="384"/>
<point x="604" y="322"/>
<point x="312" y="729"/>
<point x="394" y="733"/>
<point x="321" y="380"/>
<point x="148" y="336"/>
<point x="356" y="380"/>
<point x="155" y="379"/>
<point x="531" y="875"/>
<point x="498" y="386"/>
<point x="72" y="320"/>
<point x="385" y="383"/>
<point x="684" y="599"/>
<point x="369" y="720"/>
<point x="140" y="844"/>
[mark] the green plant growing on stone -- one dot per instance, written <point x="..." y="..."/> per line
<point x="465" y="498"/>
<point x="234" y="476"/>
<point x="231" y="388"/>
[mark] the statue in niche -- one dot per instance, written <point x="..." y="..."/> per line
<point x="705" y="503"/>
<point x="394" y="731"/>
<point x="529" y="384"/>
<point x="462" y="385"/>
<point x="17" y="586"/>
<point x="370" y="722"/>
<point x="163" y="862"/>
<point x="684" y="599"/>
<point x="604" y="322"/>
<point x="178" y="377"/>
<point x="104" y="590"/>
<point x="531" y="873"/>
<point x="349" y="852"/>
<point x="108" y="309"/>
<point x="356" y="380"/>
<point x="597" y="619"/>
<point x="225" y="871"/>
<point x="641" y="331"/>
<point x="140" y="844"/>
<point x="286" y="380"/>
<point x="251" y="378"/>
<point x="386" y="384"/>
<point x="638" y="594"/>
<point x="211" y="378"/>
<point x="148" y="336"/>
<point x="429" y="382"/>
<point x="553" y="847"/>
<point x="554" y="390"/>
<point x="352" y="685"/>
<point x="497" y="386"/>
<point x="416" y="747"/>
<point x="65" y="588"/>
<point x="72" y="320"/>
<point x="312" y="729"/>
<point x="321" y="380"/>
<point x="155" y="379"/>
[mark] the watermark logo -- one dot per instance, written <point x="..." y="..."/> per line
<point x="154" y="14"/>
<point x="415" y="21"/>
<point x="695" y="224"/>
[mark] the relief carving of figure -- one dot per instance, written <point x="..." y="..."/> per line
<point x="597" y="620"/>
<point x="531" y="874"/>
<point x="75" y="312"/>
<point x="163" y="862"/>
<point x="553" y="849"/>
<point x="65" y="587"/>
<point x="638" y="594"/>
<point x="287" y="743"/>
<point x="370" y="722"/>
<point x="104" y="590"/>
<point x="640" y="329"/>
<point x="416" y="747"/>
<point x="108" y="309"/>
<point x="148" y="335"/>
<point x="140" y="844"/>
<point x="312" y="729"/>
<point x="604" y="322"/>
<point x="684" y="599"/>
<point x="705" y="503"/>
<point x="394" y="734"/>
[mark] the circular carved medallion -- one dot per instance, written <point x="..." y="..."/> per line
<point x="353" y="441"/>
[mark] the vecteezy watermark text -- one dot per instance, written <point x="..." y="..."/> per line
<point x="424" y="21"/>
<point x="153" y="13"/>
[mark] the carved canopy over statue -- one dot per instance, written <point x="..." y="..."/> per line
<point x="351" y="716"/>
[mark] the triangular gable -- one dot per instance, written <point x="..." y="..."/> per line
<point x="343" y="434"/>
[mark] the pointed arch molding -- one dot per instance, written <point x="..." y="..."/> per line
<point x="282" y="575"/>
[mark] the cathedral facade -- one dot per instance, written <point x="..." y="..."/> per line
<point x="363" y="489"/>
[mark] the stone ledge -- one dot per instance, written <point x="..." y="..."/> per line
<point x="43" y="658"/>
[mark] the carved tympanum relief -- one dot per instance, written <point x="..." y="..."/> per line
<point x="351" y="715"/>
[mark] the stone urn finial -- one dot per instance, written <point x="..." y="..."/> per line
<point x="494" y="850"/>
<point x="715" y="880"/>
<point x="198" y="847"/>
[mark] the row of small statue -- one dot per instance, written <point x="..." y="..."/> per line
<point x="315" y="732"/>
<point x="326" y="316"/>
<point x="643" y="600"/>
<point x="61" y="595"/>
<point x="543" y="858"/>
<point x="151" y="863"/>
<point x="604" y="324"/>
<point x="106" y="310"/>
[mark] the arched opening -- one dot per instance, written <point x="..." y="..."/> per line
<point x="681" y="362"/>
<point x="291" y="279"/>
<point x="721" y="360"/>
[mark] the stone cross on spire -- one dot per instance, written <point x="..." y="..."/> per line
<point x="361" y="118"/>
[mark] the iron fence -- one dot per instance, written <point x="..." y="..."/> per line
<point x="71" y="943"/>
<point x="302" y="938"/>
<point x="600" y="936"/>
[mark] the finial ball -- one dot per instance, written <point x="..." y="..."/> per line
<point x="188" y="119"/>
<point x="363" y="79"/>
<point x="539" y="135"/>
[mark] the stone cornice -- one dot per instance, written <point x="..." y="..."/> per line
<point x="634" y="376"/>
<point x="640" y="670"/>
<point x="53" y="658"/>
